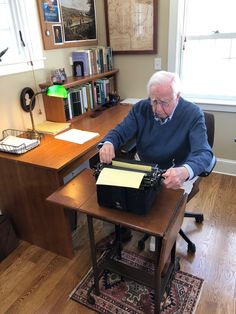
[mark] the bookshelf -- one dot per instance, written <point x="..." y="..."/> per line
<point x="55" y="108"/>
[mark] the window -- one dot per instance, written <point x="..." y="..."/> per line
<point x="20" y="33"/>
<point x="205" y="43"/>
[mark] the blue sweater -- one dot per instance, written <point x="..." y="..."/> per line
<point x="183" y="138"/>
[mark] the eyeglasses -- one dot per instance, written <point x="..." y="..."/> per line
<point x="163" y="103"/>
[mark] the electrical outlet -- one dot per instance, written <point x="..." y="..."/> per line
<point x="157" y="63"/>
<point x="70" y="60"/>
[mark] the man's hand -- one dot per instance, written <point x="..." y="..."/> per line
<point x="107" y="153"/>
<point x="175" y="177"/>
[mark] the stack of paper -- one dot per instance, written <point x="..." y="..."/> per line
<point x="49" y="127"/>
<point x="77" y="136"/>
<point x="17" y="145"/>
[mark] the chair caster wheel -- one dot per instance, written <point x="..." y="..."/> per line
<point x="91" y="300"/>
<point x="191" y="248"/>
<point x="141" y="245"/>
<point x="199" y="219"/>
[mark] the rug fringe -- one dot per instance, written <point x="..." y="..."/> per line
<point x="199" y="296"/>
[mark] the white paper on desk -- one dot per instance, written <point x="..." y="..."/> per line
<point x="130" y="101"/>
<point x="117" y="177"/>
<point x="76" y="136"/>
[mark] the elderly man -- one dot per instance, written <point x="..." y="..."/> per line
<point x="169" y="131"/>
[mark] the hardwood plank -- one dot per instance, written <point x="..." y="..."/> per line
<point x="33" y="280"/>
<point x="215" y="259"/>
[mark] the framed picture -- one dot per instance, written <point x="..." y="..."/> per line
<point x="57" y="34"/>
<point x="51" y="11"/>
<point x="67" y="23"/>
<point x="131" y="26"/>
<point x="79" y="20"/>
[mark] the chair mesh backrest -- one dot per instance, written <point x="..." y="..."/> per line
<point x="210" y="125"/>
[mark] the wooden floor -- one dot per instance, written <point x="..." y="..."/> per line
<point x="33" y="280"/>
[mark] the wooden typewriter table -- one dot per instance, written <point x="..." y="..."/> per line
<point x="162" y="221"/>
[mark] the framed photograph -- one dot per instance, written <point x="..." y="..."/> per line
<point x="79" y="20"/>
<point x="57" y="34"/>
<point x="131" y="26"/>
<point x="51" y="11"/>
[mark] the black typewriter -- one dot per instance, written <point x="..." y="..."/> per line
<point x="117" y="191"/>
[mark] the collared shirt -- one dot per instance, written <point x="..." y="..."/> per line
<point x="161" y="121"/>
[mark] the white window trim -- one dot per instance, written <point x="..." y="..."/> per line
<point x="174" y="49"/>
<point x="31" y="34"/>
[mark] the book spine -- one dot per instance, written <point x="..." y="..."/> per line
<point x="85" y="97"/>
<point x="66" y="108"/>
<point x="91" y="96"/>
<point x="81" y="100"/>
<point x="109" y="58"/>
<point x="70" y="105"/>
<point x="76" y="106"/>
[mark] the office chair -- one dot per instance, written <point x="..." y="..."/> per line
<point x="128" y="151"/>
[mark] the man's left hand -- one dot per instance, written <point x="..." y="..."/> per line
<point x="175" y="177"/>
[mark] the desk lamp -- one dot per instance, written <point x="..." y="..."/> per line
<point x="52" y="91"/>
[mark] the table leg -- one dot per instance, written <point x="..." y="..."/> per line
<point x="157" y="276"/>
<point x="118" y="241"/>
<point x="93" y="254"/>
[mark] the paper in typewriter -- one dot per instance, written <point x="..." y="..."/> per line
<point x="130" y="165"/>
<point x="119" y="177"/>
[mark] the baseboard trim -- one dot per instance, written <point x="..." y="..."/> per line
<point x="225" y="166"/>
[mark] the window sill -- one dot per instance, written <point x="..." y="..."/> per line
<point x="214" y="104"/>
<point x="20" y="67"/>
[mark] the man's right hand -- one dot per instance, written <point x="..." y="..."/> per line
<point x="106" y="153"/>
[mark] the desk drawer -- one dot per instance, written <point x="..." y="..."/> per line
<point x="75" y="172"/>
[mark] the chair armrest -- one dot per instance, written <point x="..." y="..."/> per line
<point x="210" y="168"/>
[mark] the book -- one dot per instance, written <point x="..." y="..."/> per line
<point x="53" y="128"/>
<point x="100" y="90"/>
<point x="109" y="58"/>
<point x="66" y="108"/>
<point x="91" y="61"/>
<point x="81" y="56"/>
<point x="74" y="98"/>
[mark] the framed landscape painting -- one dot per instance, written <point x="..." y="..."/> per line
<point x="79" y="20"/>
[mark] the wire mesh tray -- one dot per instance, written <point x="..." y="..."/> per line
<point x="17" y="141"/>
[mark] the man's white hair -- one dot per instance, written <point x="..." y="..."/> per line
<point x="163" y="77"/>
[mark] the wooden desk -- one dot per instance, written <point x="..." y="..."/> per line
<point x="27" y="180"/>
<point x="163" y="221"/>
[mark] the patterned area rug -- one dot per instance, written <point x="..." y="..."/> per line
<point x="122" y="296"/>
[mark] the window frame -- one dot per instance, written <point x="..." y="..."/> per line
<point x="175" y="43"/>
<point x="25" y="19"/>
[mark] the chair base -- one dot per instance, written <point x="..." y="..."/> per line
<point x="199" y="218"/>
<point x="191" y="245"/>
<point x="141" y="242"/>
